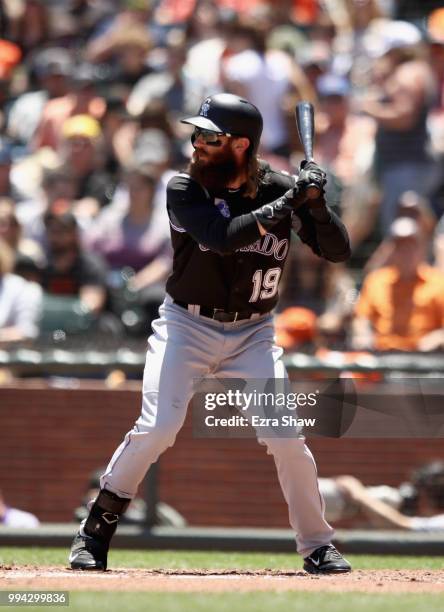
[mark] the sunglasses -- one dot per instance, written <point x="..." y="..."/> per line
<point x="210" y="138"/>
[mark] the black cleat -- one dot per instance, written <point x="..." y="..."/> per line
<point x="326" y="560"/>
<point x="88" y="553"/>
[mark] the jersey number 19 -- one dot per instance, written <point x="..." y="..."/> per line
<point x="265" y="285"/>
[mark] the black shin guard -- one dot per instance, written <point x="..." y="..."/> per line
<point x="104" y="515"/>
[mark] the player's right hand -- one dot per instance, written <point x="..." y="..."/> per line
<point x="296" y="196"/>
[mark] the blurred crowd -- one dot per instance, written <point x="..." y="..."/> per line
<point x="91" y="96"/>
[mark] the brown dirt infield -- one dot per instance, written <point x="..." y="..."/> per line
<point x="164" y="580"/>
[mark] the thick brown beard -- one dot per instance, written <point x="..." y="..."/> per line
<point x="217" y="174"/>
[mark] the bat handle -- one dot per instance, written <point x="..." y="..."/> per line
<point x="313" y="191"/>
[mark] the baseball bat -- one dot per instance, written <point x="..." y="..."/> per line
<point x="305" y="123"/>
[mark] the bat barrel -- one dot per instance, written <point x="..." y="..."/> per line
<point x="305" y="125"/>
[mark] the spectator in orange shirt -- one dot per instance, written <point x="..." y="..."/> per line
<point x="416" y="207"/>
<point x="401" y="306"/>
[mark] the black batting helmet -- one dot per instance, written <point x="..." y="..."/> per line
<point x="230" y="115"/>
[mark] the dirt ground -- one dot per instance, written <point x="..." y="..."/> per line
<point x="370" y="581"/>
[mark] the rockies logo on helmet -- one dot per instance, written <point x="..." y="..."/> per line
<point x="205" y="108"/>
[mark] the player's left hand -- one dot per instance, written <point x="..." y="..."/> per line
<point x="311" y="174"/>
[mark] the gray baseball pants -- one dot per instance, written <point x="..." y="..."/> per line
<point x="184" y="347"/>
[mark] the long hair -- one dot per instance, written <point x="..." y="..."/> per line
<point x="254" y="176"/>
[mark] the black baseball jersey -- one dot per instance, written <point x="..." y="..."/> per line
<point x="220" y="258"/>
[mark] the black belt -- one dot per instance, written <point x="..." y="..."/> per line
<point x="218" y="314"/>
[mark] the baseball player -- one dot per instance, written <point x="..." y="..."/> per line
<point x="231" y="218"/>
